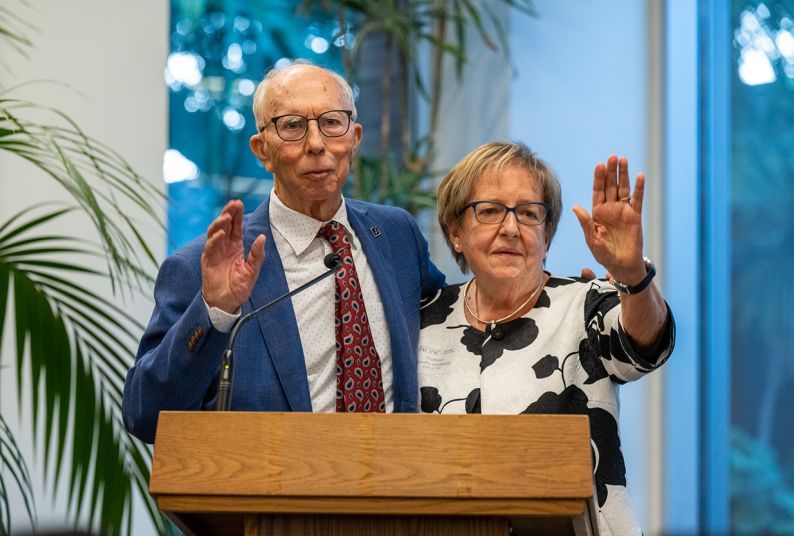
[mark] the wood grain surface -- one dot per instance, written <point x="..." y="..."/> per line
<point x="372" y="455"/>
<point x="369" y="525"/>
<point x="372" y="506"/>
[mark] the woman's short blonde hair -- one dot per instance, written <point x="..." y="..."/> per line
<point x="456" y="189"/>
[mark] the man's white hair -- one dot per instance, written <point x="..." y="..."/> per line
<point x="260" y="96"/>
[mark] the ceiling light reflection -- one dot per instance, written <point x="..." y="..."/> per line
<point x="184" y="68"/>
<point x="177" y="168"/>
<point x="233" y="119"/>
<point x="755" y="68"/>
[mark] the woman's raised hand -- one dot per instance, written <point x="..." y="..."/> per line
<point x="614" y="231"/>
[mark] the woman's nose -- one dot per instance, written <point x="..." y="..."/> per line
<point x="510" y="224"/>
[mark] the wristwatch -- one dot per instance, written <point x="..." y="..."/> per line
<point x="623" y="288"/>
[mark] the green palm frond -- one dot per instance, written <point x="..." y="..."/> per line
<point x="11" y="458"/>
<point x="101" y="182"/>
<point x="11" y="33"/>
<point x="75" y="346"/>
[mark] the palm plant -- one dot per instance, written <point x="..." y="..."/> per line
<point x="71" y="343"/>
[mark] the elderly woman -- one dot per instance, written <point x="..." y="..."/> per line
<point x="517" y="339"/>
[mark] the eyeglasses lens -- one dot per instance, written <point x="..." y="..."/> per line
<point x="526" y="213"/>
<point x="332" y="124"/>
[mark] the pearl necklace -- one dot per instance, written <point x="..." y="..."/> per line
<point x="494" y="322"/>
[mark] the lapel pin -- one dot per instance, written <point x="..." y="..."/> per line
<point x="375" y="231"/>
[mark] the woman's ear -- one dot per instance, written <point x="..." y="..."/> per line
<point x="455" y="238"/>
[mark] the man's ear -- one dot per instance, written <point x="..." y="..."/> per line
<point x="260" y="150"/>
<point x="358" y="133"/>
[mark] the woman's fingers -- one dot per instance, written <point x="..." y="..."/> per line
<point x="639" y="192"/>
<point x="611" y="188"/>
<point x="624" y="184"/>
<point x="583" y="217"/>
<point x="599" y="180"/>
<point x="611" y="183"/>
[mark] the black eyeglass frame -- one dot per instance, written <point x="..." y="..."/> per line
<point x="348" y="113"/>
<point x="514" y="210"/>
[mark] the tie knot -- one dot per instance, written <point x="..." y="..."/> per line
<point x="336" y="234"/>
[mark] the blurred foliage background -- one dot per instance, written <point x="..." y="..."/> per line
<point x="391" y="52"/>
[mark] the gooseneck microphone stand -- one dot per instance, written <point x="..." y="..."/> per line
<point x="332" y="261"/>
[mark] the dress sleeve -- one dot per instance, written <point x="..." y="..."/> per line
<point x="610" y="343"/>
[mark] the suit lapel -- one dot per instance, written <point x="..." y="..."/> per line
<point x="375" y="248"/>
<point x="278" y="325"/>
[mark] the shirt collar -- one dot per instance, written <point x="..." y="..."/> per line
<point x="298" y="229"/>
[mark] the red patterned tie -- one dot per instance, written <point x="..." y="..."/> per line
<point x="359" y="386"/>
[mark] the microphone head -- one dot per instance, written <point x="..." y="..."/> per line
<point x="332" y="261"/>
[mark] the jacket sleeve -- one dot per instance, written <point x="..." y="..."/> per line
<point x="432" y="278"/>
<point x="178" y="358"/>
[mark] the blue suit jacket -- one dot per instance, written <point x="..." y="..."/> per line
<point x="178" y="359"/>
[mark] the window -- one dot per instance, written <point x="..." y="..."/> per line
<point x="748" y="241"/>
<point x="219" y="52"/>
<point x="761" y="248"/>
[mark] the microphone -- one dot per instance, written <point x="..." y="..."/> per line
<point x="332" y="261"/>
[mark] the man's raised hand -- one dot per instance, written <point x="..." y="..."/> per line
<point x="227" y="278"/>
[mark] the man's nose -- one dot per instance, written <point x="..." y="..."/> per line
<point x="315" y="141"/>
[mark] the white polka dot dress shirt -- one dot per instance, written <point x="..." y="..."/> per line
<point x="302" y="255"/>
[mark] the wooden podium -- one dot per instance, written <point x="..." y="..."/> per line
<point x="263" y="474"/>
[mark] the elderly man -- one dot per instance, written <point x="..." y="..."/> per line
<point x="345" y="344"/>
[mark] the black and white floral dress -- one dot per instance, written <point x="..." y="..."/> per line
<point x="568" y="354"/>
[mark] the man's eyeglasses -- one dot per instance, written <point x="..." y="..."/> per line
<point x="531" y="213"/>
<point x="333" y="123"/>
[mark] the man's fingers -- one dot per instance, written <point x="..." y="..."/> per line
<point x="236" y="210"/>
<point x="588" y="274"/>
<point x="232" y="206"/>
<point x="639" y="192"/>
<point x="221" y="223"/>
<point x="230" y="221"/>
<point x="214" y="246"/>
<point x="256" y="256"/>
